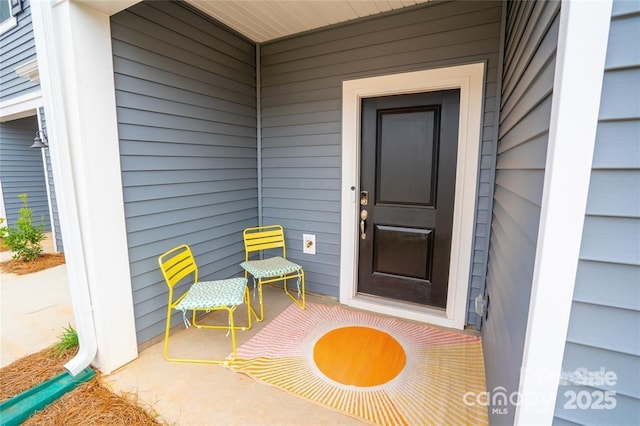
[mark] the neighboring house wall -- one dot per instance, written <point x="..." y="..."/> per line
<point x="527" y="87"/>
<point x="604" y="327"/>
<point x="301" y="116"/>
<point x="52" y="189"/>
<point x="186" y="105"/>
<point x="21" y="171"/>
<point x="17" y="46"/>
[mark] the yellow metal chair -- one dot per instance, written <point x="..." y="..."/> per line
<point x="272" y="269"/>
<point x="222" y="295"/>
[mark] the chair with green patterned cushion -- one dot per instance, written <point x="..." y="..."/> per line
<point x="272" y="269"/>
<point x="178" y="264"/>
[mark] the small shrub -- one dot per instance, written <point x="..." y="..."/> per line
<point x="4" y="231"/>
<point x="68" y="340"/>
<point x="24" y="240"/>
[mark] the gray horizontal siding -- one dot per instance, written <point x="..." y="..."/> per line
<point x="185" y="94"/>
<point x="55" y="225"/>
<point x="604" y="327"/>
<point x="22" y="171"/>
<point x="301" y="116"/>
<point x="527" y="88"/>
<point x="17" y="46"/>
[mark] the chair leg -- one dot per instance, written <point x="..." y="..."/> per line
<point x="261" y="300"/>
<point x="246" y="276"/>
<point x="231" y="327"/>
<point x="301" y="302"/>
<point x="247" y="299"/>
<point x="247" y="327"/>
<point x="260" y="317"/>
<point x="165" y="351"/>
<point x="259" y="284"/>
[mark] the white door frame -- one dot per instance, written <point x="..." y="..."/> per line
<point x="470" y="80"/>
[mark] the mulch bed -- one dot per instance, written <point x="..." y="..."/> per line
<point x="46" y="261"/>
<point x="91" y="403"/>
<point x="27" y="372"/>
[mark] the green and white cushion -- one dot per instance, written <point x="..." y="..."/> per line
<point x="205" y="295"/>
<point x="271" y="267"/>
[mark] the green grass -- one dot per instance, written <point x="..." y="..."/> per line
<point x="68" y="340"/>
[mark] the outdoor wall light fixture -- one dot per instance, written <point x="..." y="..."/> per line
<point x="40" y="142"/>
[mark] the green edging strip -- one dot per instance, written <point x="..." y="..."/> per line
<point x="18" y="409"/>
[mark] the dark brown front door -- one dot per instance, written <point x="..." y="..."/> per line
<point x="407" y="182"/>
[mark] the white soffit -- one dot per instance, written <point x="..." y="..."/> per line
<point x="264" y="20"/>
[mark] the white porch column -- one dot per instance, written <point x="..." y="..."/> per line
<point x="73" y="43"/>
<point x="582" y="46"/>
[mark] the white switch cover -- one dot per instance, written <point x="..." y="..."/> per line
<point x="308" y="244"/>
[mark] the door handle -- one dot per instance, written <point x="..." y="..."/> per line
<point x="363" y="217"/>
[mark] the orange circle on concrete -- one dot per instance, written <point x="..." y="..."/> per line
<point x="359" y="356"/>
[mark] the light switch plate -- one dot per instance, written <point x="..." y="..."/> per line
<point x="308" y="243"/>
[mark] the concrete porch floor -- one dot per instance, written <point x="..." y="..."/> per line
<point x="204" y="394"/>
<point x="36" y="307"/>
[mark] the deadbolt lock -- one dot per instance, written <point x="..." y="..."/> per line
<point x="364" y="198"/>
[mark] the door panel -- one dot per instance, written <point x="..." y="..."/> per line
<point x="408" y="162"/>
<point x="403" y="251"/>
<point x="406" y="143"/>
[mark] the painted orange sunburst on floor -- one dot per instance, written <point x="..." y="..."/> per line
<point x="381" y="370"/>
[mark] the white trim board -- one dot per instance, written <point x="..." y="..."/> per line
<point x="470" y="80"/>
<point x="73" y="43"/>
<point x="8" y="24"/>
<point x="20" y="106"/>
<point x="584" y="27"/>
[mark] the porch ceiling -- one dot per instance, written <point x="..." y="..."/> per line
<point x="264" y="20"/>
